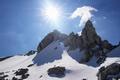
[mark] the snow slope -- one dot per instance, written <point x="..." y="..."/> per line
<point x="52" y="52"/>
<point x="57" y="57"/>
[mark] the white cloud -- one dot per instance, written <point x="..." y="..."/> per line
<point x="79" y="33"/>
<point x="84" y="13"/>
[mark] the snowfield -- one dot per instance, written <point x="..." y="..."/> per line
<point x="55" y="55"/>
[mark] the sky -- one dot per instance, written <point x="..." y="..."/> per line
<point x="23" y="25"/>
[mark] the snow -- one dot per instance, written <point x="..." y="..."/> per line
<point x="76" y="54"/>
<point x="50" y="53"/>
<point x="74" y="70"/>
<point x="14" y="63"/>
<point x="52" y="56"/>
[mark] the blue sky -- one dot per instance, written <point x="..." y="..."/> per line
<point x="22" y="26"/>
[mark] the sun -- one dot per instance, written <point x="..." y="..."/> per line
<point x="52" y="13"/>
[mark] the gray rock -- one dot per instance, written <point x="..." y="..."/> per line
<point x="89" y="36"/>
<point x="53" y="36"/>
<point x="73" y="41"/>
<point x="56" y="72"/>
<point x="31" y="52"/>
<point x="111" y="71"/>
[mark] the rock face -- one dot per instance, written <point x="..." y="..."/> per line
<point x="93" y="45"/>
<point x="89" y="36"/>
<point x="89" y="42"/>
<point x="53" y="36"/>
<point x="73" y="41"/>
<point x="110" y="72"/>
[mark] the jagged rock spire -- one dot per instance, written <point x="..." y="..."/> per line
<point x="89" y="35"/>
<point x="89" y="24"/>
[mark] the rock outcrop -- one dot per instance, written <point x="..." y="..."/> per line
<point x="53" y="36"/>
<point x="3" y="76"/>
<point x="56" y="72"/>
<point x="109" y="72"/>
<point x="31" y="52"/>
<point x="89" y="36"/>
<point x="22" y="73"/>
<point x="73" y="41"/>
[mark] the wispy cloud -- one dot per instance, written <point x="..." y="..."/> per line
<point x="84" y="13"/>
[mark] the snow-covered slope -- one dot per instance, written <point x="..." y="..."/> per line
<point x="52" y="52"/>
<point x="54" y="55"/>
<point x="76" y="54"/>
<point x="10" y="65"/>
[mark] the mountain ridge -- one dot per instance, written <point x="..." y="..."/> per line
<point x="89" y="42"/>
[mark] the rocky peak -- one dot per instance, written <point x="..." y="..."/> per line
<point x="53" y="36"/>
<point x="89" y="24"/>
<point x="93" y="44"/>
<point x="89" y="35"/>
<point x="89" y="29"/>
<point x="88" y="38"/>
<point x="90" y="42"/>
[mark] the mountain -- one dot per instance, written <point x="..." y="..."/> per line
<point x="89" y="43"/>
<point x="65" y="57"/>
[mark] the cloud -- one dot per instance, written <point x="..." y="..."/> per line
<point x="84" y="13"/>
<point x="79" y="33"/>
